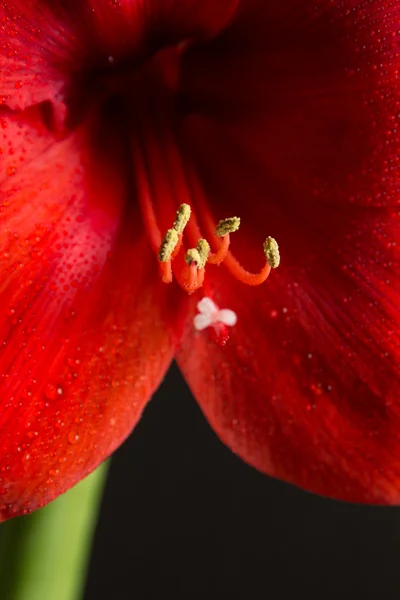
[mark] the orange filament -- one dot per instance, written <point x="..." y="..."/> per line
<point x="244" y="276"/>
<point x="144" y="195"/>
<point x="234" y="266"/>
<point x="193" y="278"/>
<point x="218" y="257"/>
<point x="166" y="267"/>
<point x="166" y="271"/>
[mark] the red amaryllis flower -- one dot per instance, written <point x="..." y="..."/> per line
<point x="116" y="113"/>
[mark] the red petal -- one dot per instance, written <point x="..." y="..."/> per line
<point x="29" y="32"/>
<point x="300" y="107"/>
<point x="82" y="325"/>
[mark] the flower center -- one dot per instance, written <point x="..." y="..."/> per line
<point x="168" y="187"/>
<point x="190" y="271"/>
<point x="165" y="178"/>
<point x="188" y="265"/>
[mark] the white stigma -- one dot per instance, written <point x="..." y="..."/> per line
<point x="209" y="315"/>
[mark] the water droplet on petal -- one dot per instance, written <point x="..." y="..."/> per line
<point x="52" y="392"/>
<point x="73" y="437"/>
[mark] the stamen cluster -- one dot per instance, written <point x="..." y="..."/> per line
<point x="190" y="274"/>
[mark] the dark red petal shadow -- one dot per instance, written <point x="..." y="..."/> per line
<point x="84" y="339"/>
<point x="299" y="102"/>
<point x="46" y="46"/>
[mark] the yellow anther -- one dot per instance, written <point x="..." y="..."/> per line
<point x="203" y="248"/>
<point x="182" y="218"/>
<point x="168" y="245"/>
<point x="193" y="256"/>
<point x="271" y="251"/>
<point x="227" y="226"/>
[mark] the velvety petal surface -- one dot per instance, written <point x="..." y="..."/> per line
<point x="84" y="340"/>
<point x="299" y="103"/>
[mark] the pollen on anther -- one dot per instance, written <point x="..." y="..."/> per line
<point x="182" y="217"/>
<point x="168" y="245"/>
<point x="203" y="248"/>
<point x="192" y="256"/>
<point x="271" y="251"/>
<point x="227" y="226"/>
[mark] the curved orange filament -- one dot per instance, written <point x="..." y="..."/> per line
<point x="244" y="276"/>
<point x="216" y="258"/>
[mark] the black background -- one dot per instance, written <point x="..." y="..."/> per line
<point x="183" y="518"/>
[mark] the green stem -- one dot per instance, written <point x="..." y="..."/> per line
<point x="45" y="556"/>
